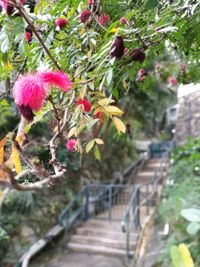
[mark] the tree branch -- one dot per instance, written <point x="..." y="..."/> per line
<point x="23" y="13"/>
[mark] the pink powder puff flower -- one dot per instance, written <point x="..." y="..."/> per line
<point x="8" y="7"/>
<point x="28" y="37"/>
<point x="71" y="145"/>
<point x="61" y="22"/>
<point x="22" y="1"/>
<point x="56" y="78"/>
<point x="4" y="4"/>
<point x="29" y="91"/>
<point x="172" y="80"/>
<point x="123" y="20"/>
<point x="29" y="95"/>
<point x="85" y="16"/>
<point x="103" y="19"/>
<point x="85" y="104"/>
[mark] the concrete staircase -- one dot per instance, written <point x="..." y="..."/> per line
<point x="106" y="237"/>
<point x="101" y="237"/>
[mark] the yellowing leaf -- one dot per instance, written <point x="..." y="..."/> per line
<point x="113" y="110"/>
<point x="99" y="141"/>
<point x="2" y="143"/>
<point x="83" y="91"/>
<point x="16" y="160"/>
<point x="124" y="84"/>
<point x="181" y="256"/>
<point x="6" y="62"/>
<point x="120" y="126"/>
<point x="72" y="132"/>
<point x="89" y="54"/>
<point x="89" y="146"/>
<point x="114" y="30"/>
<point x="105" y="101"/>
<point x="186" y="256"/>
<point x="8" y="65"/>
<point x="82" y="31"/>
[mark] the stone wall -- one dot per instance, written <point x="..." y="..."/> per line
<point x="188" y="119"/>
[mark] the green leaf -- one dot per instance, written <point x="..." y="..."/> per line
<point x="97" y="153"/>
<point x="193" y="228"/>
<point x="151" y="4"/>
<point x="89" y="146"/>
<point x="192" y="215"/>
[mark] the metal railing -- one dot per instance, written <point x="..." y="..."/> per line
<point x="131" y="219"/>
<point x="97" y="200"/>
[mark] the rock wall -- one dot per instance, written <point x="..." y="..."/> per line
<point x="188" y="119"/>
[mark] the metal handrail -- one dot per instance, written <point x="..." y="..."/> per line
<point x="132" y="213"/>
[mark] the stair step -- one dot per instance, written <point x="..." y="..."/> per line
<point x="145" y="174"/>
<point x="113" y="225"/>
<point x="101" y="241"/>
<point x="96" y="249"/>
<point x="103" y="233"/>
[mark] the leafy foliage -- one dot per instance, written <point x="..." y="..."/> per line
<point x="182" y="204"/>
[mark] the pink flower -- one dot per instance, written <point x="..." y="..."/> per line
<point x="123" y="20"/>
<point x="71" y="145"/>
<point x="183" y="67"/>
<point x="8" y="7"/>
<point x="85" y="104"/>
<point x="90" y="2"/>
<point x="103" y="19"/>
<point x="172" y="80"/>
<point x="85" y="16"/>
<point x="56" y="78"/>
<point x="4" y="4"/>
<point x="29" y="91"/>
<point x="141" y="75"/>
<point x="28" y="37"/>
<point x="61" y="22"/>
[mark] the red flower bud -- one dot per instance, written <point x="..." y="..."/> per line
<point x="85" y="16"/>
<point x="138" y="55"/>
<point x="26" y="112"/>
<point x="172" y="80"/>
<point x="123" y="20"/>
<point x="28" y="37"/>
<point x="61" y="22"/>
<point x="85" y="104"/>
<point x="103" y="19"/>
<point x="71" y="145"/>
<point x="117" y="48"/>
<point x="99" y="115"/>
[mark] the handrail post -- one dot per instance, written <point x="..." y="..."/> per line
<point x="138" y="207"/>
<point x="110" y="203"/>
<point x="66" y="233"/>
<point x="86" y="213"/>
<point x="148" y="202"/>
<point x="128" y="237"/>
